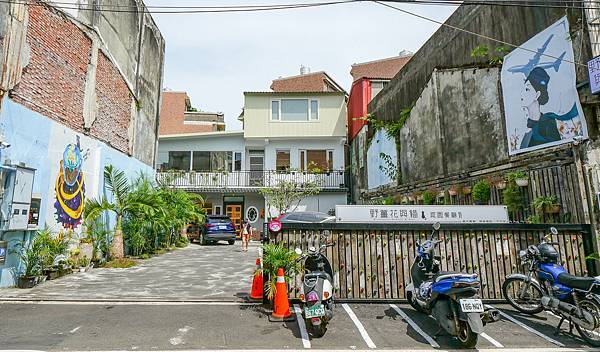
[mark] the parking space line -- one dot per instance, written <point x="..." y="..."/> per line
<point x="529" y="328"/>
<point x="302" y="327"/>
<point x="416" y="327"/>
<point x="491" y="340"/>
<point x="359" y="326"/>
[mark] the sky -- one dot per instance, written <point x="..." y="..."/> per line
<point x="216" y="57"/>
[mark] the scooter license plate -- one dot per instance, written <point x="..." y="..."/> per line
<point x="471" y="305"/>
<point x="316" y="311"/>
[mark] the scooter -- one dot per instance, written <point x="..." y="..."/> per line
<point x="451" y="298"/>
<point x="548" y="286"/>
<point x="316" y="292"/>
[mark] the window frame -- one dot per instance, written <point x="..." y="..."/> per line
<point x="303" y="156"/>
<point x="289" y="153"/>
<point x="309" y="101"/>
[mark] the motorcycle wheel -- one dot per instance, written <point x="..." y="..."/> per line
<point x="466" y="336"/>
<point x="319" y="330"/>
<point x="530" y="304"/>
<point x="591" y="336"/>
<point x="414" y="303"/>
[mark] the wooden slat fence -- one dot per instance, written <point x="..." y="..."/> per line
<point x="372" y="262"/>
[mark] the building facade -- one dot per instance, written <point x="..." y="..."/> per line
<point x="72" y="103"/>
<point x="288" y="136"/>
<point x="177" y="116"/>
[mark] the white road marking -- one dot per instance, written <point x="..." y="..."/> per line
<point x="416" y="327"/>
<point x="529" y="328"/>
<point x="131" y="303"/>
<point x="555" y="349"/>
<point x="179" y="339"/>
<point x="302" y="326"/>
<point x="491" y="340"/>
<point x="359" y="326"/>
<point x="75" y="330"/>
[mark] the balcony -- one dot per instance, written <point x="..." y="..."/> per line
<point x="250" y="180"/>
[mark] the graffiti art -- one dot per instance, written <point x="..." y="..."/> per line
<point x="70" y="188"/>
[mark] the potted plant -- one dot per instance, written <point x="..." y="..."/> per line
<point x="31" y="255"/>
<point x="277" y="256"/>
<point x="512" y="196"/>
<point x="466" y="190"/>
<point x="430" y="196"/>
<point x="481" y="193"/>
<point x="498" y="181"/>
<point x="548" y="205"/>
<point x="520" y="178"/>
<point x="455" y="190"/>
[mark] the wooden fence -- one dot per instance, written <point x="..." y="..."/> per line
<point x="372" y="262"/>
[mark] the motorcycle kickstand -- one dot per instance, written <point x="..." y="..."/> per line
<point x="557" y="331"/>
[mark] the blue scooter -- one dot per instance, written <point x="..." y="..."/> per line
<point x="451" y="298"/>
<point x="548" y="286"/>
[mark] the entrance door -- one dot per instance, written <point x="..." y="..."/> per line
<point x="234" y="211"/>
<point x="256" y="167"/>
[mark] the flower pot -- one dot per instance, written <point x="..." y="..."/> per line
<point x="467" y="190"/>
<point x="452" y="192"/>
<point x="555" y="209"/>
<point x="26" y="282"/>
<point x="501" y="184"/>
<point x="53" y="274"/>
<point x="82" y="269"/>
<point x="522" y="182"/>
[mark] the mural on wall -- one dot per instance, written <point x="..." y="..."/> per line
<point x="70" y="188"/>
<point x="541" y="103"/>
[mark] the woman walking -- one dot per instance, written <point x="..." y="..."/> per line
<point x="246" y="229"/>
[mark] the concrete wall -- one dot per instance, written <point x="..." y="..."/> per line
<point x="382" y="143"/>
<point x="258" y="124"/>
<point x="39" y="142"/>
<point x="323" y="202"/>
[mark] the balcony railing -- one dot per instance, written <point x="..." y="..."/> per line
<point x="332" y="180"/>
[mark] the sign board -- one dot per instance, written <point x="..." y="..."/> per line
<point x="425" y="214"/>
<point x="3" y="249"/>
<point x="594" y="74"/>
<point x="275" y="226"/>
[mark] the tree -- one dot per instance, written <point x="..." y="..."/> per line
<point x="287" y="195"/>
<point x="124" y="202"/>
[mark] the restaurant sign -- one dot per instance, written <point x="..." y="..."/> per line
<point x="427" y="214"/>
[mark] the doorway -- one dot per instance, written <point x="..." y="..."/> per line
<point x="256" y="167"/>
<point x="233" y="207"/>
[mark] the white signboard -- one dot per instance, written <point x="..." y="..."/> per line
<point x="594" y="74"/>
<point x="541" y="103"/>
<point x="427" y="214"/>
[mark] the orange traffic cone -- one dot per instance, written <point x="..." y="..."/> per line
<point x="281" y="306"/>
<point x="257" y="284"/>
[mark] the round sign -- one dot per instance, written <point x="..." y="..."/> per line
<point x="275" y="226"/>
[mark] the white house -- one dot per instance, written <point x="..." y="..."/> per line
<point x="287" y="135"/>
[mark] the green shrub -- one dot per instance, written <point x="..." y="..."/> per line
<point x="429" y="197"/>
<point x="481" y="192"/>
<point x="276" y="256"/>
<point x="512" y="196"/>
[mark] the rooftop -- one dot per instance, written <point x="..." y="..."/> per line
<point x="309" y="82"/>
<point x="379" y="69"/>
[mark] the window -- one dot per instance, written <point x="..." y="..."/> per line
<point x="282" y="160"/>
<point x="294" y="110"/>
<point x="237" y="162"/>
<point x="316" y="160"/>
<point x="275" y="110"/>
<point x="212" y="161"/>
<point x="376" y="87"/>
<point x="217" y="210"/>
<point x="179" y="161"/>
<point x="201" y="161"/>
<point x="314" y="110"/>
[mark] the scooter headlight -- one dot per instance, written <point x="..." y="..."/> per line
<point x="312" y="296"/>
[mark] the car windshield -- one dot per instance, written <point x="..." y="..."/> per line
<point x="219" y="220"/>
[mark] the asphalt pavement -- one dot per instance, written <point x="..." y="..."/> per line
<point x="156" y="326"/>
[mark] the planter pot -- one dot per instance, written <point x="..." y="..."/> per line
<point x="53" y="275"/>
<point x="553" y="209"/>
<point x="452" y="192"/>
<point x="501" y="185"/>
<point x="467" y="190"/>
<point x="522" y="182"/>
<point x="82" y="270"/>
<point x="26" y="282"/>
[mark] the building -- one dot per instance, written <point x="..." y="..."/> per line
<point x="464" y="119"/>
<point x="177" y="116"/>
<point x="77" y="94"/>
<point x="369" y="78"/>
<point x="295" y="136"/>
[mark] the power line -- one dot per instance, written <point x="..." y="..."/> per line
<point x="474" y="33"/>
<point x="504" y="3"/>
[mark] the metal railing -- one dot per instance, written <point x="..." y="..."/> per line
<point x="372" y="261"/>
<point x="334" y="180"/>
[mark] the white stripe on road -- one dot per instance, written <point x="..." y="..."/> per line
<point x="75" y="330"/>
<point x="359" y="326"/>
<point x="491" y="340"/>
<point x="416" y="327"/>
<point x="529" y="328"/>
<point x="302" y="326"/>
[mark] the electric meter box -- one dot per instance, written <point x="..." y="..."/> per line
<point x="17" y="197"/>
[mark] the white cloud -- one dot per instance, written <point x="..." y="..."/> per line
<point x="216" y="57"/>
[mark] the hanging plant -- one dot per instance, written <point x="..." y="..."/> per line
<point x="512" y="196"/>
<point x="520" y="178"/>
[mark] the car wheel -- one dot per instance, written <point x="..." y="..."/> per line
<point x="231" y="243"/>
<point x="202" y="240"/>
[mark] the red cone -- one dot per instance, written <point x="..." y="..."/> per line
<point x="257" y="284"/>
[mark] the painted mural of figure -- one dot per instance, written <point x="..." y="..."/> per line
<point x="70" y="188"/>
<point x="543" y="126"/>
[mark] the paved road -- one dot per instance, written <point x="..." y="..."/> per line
<point x="216" y="326"/>
<point x="214" y="272"/>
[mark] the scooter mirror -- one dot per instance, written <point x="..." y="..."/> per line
<point x="298" y="251"/>
<point x="436" y="226"/>
<point x="553" y="230"/>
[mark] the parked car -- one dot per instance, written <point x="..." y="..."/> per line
<point x="306" y="217"/>
<point x="217" y="228"/>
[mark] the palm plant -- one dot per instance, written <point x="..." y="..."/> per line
<point x="276" y="256"/>
<point x="124" y="202"/>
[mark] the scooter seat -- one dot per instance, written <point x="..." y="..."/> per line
<point x="444" y="275"/>
<point x="579" y="282"/>
<point x="320" y="275"/>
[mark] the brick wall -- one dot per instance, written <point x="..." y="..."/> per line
<point x="172" y="111"/>
<point x="114" y="106"/>
<point x="53" y="82"/>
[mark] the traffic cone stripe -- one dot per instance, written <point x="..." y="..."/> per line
<point x="280" y="279"/>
